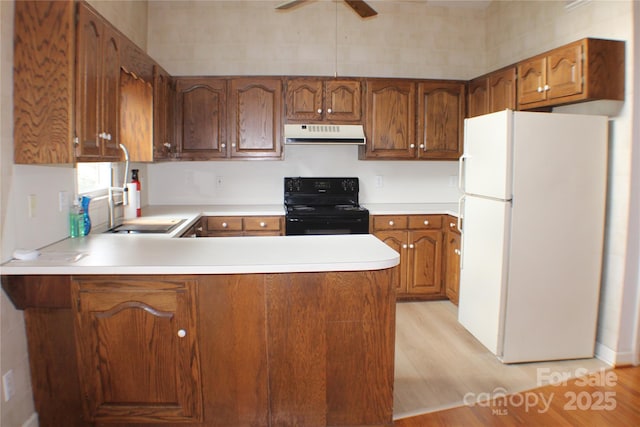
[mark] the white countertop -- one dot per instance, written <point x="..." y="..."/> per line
<point x="167" y="254"/>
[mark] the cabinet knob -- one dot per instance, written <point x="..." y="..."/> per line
<point x="233" y="145"/>
<point x="319" y="110"/>
<point x="426" y="222"/>
<point x="263" y="224"/>
<point x="391" y="223"/>
<point x="182" y="333"/>
<point x="546" y="87"/>
<point x="404" y="246"/>
<point x="412" y="145"/>
<point x="539" y="89"/>
<point x="167" y="145"/>
<point x="411" y="246"/>
<point x="329" y="110"/>
<point x="422" y="146"/>
<point x="199" y="229"/>
<point x="456" y="251"/>
<point x="452" y="224"/>
<point x="225" y="225"/>
<point x="223" y="145"/>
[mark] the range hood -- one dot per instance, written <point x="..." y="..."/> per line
<point x="324" y="134"/>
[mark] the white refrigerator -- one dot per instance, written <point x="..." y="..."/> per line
<point x="532" y="219"/>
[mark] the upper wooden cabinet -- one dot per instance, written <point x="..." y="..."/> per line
<point x="493" y="92"/>
<point x="138" y="350"/>
<point x="441" y="107"/>
<point x="97" y="88"/>
<point x="201" y="118"/>
<point x="255" y="117"/>
<point x="390" y="119"/>
<point x="587" y="69"/>
<point x="316" y="100"/>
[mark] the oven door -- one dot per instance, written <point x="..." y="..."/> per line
<point x="296" y="226"/>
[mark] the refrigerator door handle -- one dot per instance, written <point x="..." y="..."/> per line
<point x="459" y="226"/>
<point x="461" y="172"/>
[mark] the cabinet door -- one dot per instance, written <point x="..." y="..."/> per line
<point x="564" y="71"/>
<point x="452" y="265"/>
<point x="255" y="119"/>
<point x="397" y="240"/>
<point x="531" y="81"/>
<point x="478" y="97"/>
<point x="304" y="100"/>
<point x="424" y="265"/>
<point x="110" y="97"/>
<point x="164" y="146"/>
<point x="137" y="348"/>
<point x="88" y="86"/>
<point x="97" y="87"/>
<point x="441" y="109"/>
<point x="390" y="123"/>
<point x="201" y="118"/>
<point x="343" y="100"/>
<point x="502" y="90"/>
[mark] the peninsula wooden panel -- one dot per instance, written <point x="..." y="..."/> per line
<point x="43" y="81"/>
<point x="38" y="291"/>
<point x="233" y="346"/>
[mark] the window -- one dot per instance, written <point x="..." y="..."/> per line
<point x="93" y="177"/>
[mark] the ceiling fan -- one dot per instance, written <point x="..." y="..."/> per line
<point x="359" y="6"/>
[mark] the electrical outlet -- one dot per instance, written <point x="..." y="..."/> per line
<point x="379" y="181"/>
<point x="63" y="201"/>
<point x="8" y="385"/>
<point x="32" y="203"/>
<point x="219" y="181"/>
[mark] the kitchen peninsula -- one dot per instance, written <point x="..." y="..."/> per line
<point x="130" y="329"/>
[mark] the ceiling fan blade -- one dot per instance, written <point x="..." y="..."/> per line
<point x="289" y="4"/>
<point x="361" y="8"/>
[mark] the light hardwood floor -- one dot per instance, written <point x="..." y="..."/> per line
<point x="438" y="362"/>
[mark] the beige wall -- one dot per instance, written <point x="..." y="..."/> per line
<point x="130" y="17"/>
<point x="406" y="39"/>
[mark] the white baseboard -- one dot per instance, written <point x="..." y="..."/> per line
<point x="32" y="421"/>
<point x="614" y="358"/>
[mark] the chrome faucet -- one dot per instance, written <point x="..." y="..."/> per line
<point x="124" y="190"/>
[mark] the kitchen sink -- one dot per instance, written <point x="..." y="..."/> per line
<point x="146" y="226"/>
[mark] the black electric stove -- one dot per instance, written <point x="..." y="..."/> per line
<point x="324" y="206"/>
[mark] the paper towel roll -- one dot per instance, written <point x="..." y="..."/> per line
<point x="130" y="208"/>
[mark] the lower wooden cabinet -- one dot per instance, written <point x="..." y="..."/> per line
<point x="419" y="240"/>
<point x="220" y="226"/>
<point x="452" y="259"/>
<point x="137" y="349"/>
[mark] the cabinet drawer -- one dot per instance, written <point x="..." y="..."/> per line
<point x="224" y="223"/>
<point x="422" y="222"/>
<point x="262" y="223"/>
<point x="390" y="222"/>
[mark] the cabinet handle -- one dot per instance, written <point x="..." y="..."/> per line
<point x="167" y="145"/>
<point x="546" y="87"/>
<point x="263" y="224"/>
<point x="426" y="222"/>
<point x="329" y="111"/>
<point x="411" y="246"/>
<point x="456" y="251"/>
<point x="404" y="246"/>
<point x="182" y="333"/>
<point x="319" y="110"/>
<point x="539" y="89"/>
<point x="225" y="225"/>
<point x="391" y="223"/>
